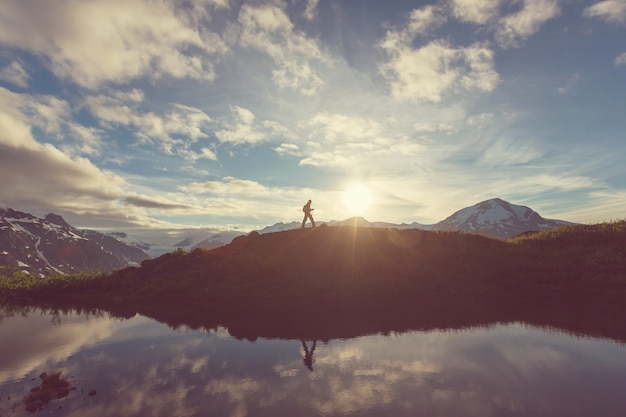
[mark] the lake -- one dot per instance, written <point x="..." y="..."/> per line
<point x="139" y="366"/>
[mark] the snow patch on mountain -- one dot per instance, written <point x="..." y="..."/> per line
<point x="497" y="218"/>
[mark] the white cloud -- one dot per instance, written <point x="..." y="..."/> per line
<point x="432" y="127"/>
<point x="268" y="29"/>
<point x="423" y="20"/>
<point x="438" y="69"/>
<point x="475" y="11"/>
<point x="97" y="41"/>
<point x="288" y="149"/>
<point x="613" y="11"/>
<point x="339" y="140"/>
<point x="244" y="129"/>
<point x="231" y="196"/>
<point x="620" y="61"/>
<point x="310" y="12"/>
<point x="507" y="153"/>
<point x="15" y="73"/>
<point x="53" y="116"/>
<point x="172" y="132"/>
<point x="514" y="29"/>
<point x="90" y="140"/>
<point x="228" y="186"/>
<point x="337" y="127"/>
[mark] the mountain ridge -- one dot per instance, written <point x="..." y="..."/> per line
<point x="494" y="218"/>
<point x="51" y="246"/>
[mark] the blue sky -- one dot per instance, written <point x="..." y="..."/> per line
<point x="221" y="113"/>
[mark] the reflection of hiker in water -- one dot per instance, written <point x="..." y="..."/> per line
<point x="307" y="214"/>
<point x="308" y="354"/>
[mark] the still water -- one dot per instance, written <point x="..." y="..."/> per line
<point x="138" y="366"/>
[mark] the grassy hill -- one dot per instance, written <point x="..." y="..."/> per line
<point x="357" y="261"/>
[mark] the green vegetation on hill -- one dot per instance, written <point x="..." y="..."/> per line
<point x="356" y="261"/>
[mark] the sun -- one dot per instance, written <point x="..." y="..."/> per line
<point x="357" y="199"/>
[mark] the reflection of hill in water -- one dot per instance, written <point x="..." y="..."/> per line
<point x="340" y="318"/>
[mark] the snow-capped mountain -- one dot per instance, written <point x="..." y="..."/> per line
<point x="50" y="245"/>
<point x="497" y="218"/>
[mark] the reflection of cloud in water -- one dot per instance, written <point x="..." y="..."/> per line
<point x="236" y="391"/>
<point x="141" y="367"/>
<point x="29" y="343"/>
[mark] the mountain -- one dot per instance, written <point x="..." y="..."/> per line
<point x="217" y="239"/>
<point x="498" y="219"/>
<point x="493" y="218"/>
<point x="50" y="245"/>
<point x="281" y="227"/>
<point x="354" y="222"/>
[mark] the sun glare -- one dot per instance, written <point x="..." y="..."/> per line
<point x="357" y="199"/>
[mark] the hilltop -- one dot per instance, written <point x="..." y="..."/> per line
<point x="363" y="261"/>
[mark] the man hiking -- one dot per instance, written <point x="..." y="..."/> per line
<point x="307" y="214"/>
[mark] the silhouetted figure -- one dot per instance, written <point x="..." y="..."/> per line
<point x="307" y="214"/>
<point x="308" y="354"/>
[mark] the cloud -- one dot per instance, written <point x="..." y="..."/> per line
<point x="99" y="41"/>
<point x="338" y="127"/>
<point x="514" y="29"/>
<point x="243" y="128"/>
<point x="571" y="83"/>
<point x="367" y="155"/>
<point x="310" y="12"/>
<point x="422" y="21"/>
<point x="340" y="140"/>
<point x="475" y="11"/>
<point x="232" y="197"/>
<point x="228" y="186"/>
<point x="612" y="11"/>
<point x="53" y="116"/>
<point x="15" y="74"/>
<point x="25" y="353"/>
<point x="154" y="203"/>
<point x="40" y="175"/>
<point x="288" y="149"/>
<point x="620" y="61"/>
<point x="437" y="70"/>
<point x="268" y="29"/>
<point x="172" y="132"/>
<point x="506" y="153"/>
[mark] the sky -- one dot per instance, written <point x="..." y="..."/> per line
<point x="159" y="114"/>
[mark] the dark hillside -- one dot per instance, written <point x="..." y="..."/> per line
<point x="332" y="261"/>
<point x="363" y="261"/>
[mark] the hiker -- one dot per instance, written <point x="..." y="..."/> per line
<point x="307" y="214"/>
